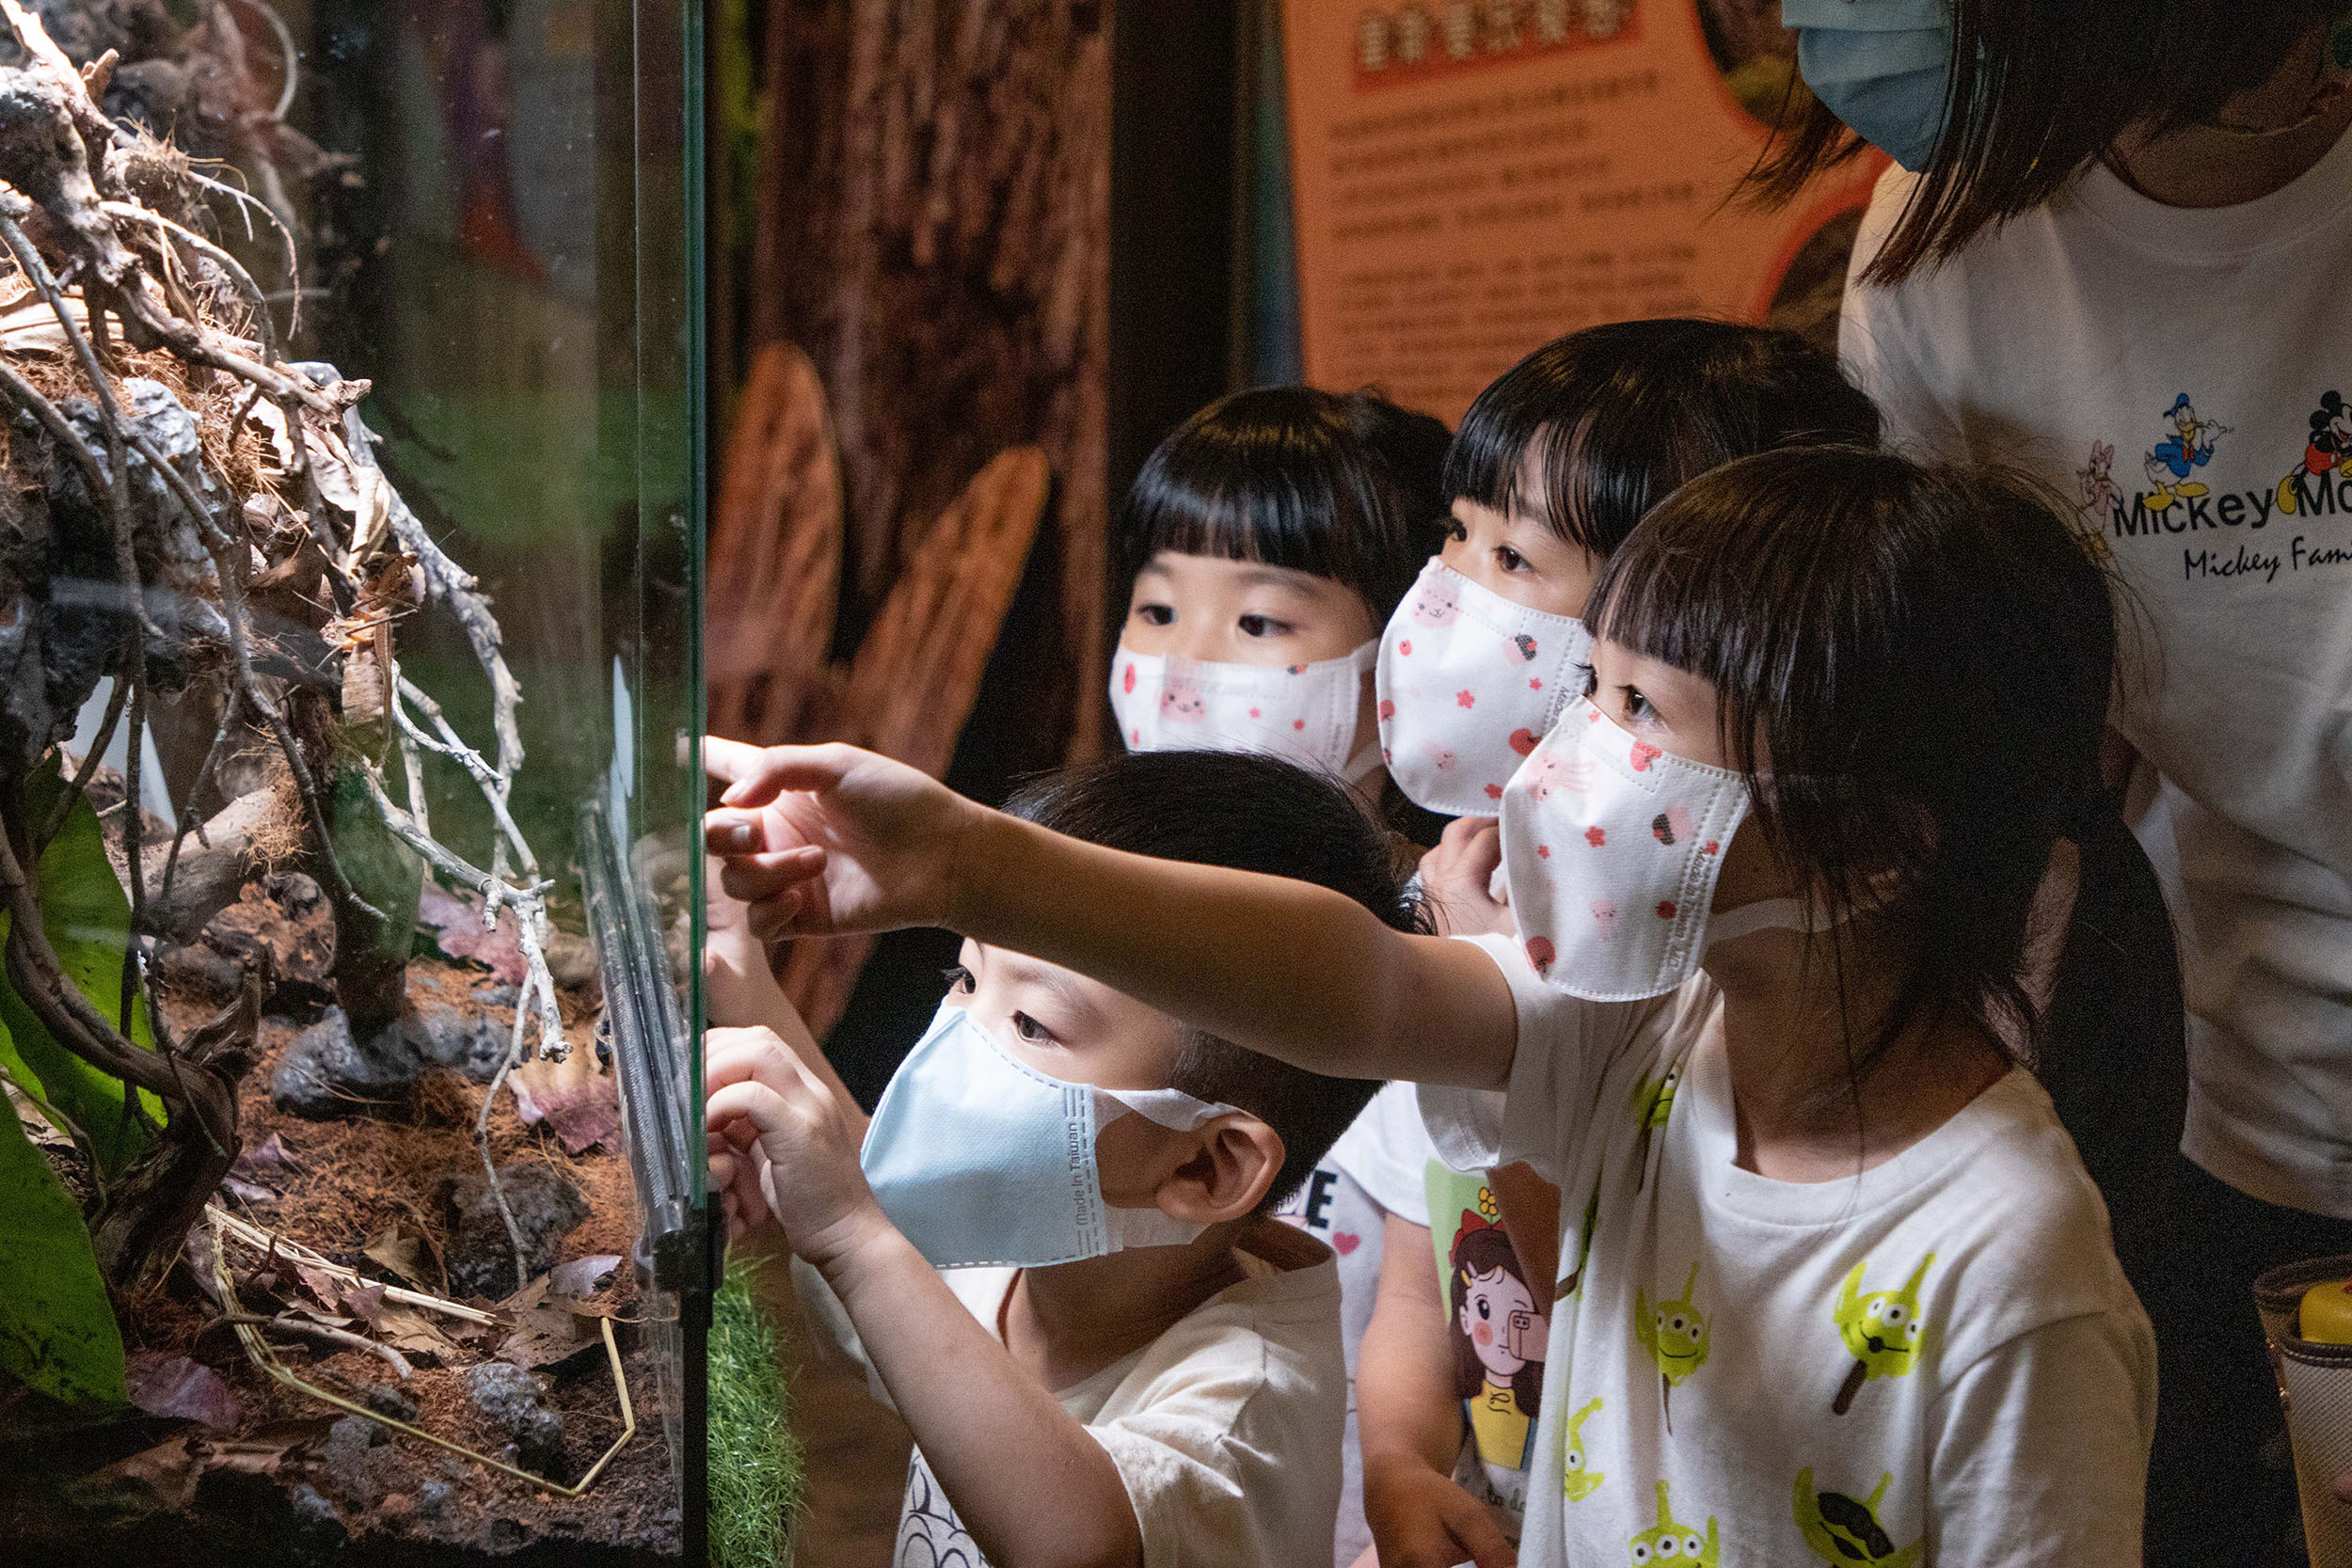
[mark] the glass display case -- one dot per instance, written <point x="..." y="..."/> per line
<point x="350" y="1184"/>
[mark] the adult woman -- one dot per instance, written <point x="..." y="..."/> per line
<point x="2120" y="264"/>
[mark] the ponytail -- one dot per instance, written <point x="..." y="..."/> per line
<point x="2114" y="1043"/>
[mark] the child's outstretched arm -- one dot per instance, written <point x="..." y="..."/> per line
<point x="1026" y="1478"/>
<point x="829" y="839"/>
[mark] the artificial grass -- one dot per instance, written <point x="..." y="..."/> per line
<point x="754" y="1459"/>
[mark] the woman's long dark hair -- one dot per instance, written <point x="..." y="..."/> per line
<point x="2041" y="91"/>
<point x="1343" y="486"/>
<point x="1915" y="666"/>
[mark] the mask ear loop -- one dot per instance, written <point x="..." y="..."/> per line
<point x="1179" y="1112"/>
<point x="1768" y="914"/>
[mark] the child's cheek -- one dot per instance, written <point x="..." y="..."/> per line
<point x="1484" y="1334"/>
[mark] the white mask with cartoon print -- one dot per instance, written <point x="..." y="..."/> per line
<point x="1469" y="683"/>
<point x="1612" y="848"/>
<point x="1303" y="713"/>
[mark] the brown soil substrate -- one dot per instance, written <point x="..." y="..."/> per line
<point x="398" y="1502"/>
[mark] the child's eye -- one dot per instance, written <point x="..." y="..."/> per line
<point x="1587" y="683"/>
<point x="1456" y="531"/>
<point x="1263" y="625"/>
<point x="959" y="980"/>
<point x="1636" y="705"/>
<point x="1156" y="614"/>
<point x="1509" y="559"/>
<point x="1030" y="1029"/>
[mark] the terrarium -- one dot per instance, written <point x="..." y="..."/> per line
<point x="350" y="520"/>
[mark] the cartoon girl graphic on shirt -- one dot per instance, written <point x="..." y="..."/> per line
<point x="2179" y="455"/>
<point x="1498" y="1332"/>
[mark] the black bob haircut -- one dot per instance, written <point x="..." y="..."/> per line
<point x="1342" y="486"/>
<point x="1615" y="416"/>
<point x="1247" y="812"/>
<point x="2039" y="92"/>
<point x="1925" y="656"/>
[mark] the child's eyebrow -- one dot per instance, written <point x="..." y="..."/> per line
<point x="1061" y="985"/>
<point x="1277" y="577"/>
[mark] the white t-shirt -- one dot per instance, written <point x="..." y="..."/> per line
<point x="1940" y="1350"/>
<point x="1225" y="1429"/>
<point x="1375" y="1168"/>
<point x="2180" y="374"/>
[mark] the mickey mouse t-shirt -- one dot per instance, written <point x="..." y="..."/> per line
<point x="2181" y="375"/>
<point x="1937" y="1361"/>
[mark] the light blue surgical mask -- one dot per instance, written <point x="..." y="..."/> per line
<point x="979" y="1158"/>
<point x="1883" y="67"/>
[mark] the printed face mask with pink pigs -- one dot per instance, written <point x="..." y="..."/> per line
<point x="1469" y="683"/>
<point x="1610" y="850"/>
<point x="1302" y="713"/>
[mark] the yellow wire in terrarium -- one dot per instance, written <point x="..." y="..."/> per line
<point x="262" y="1355"/>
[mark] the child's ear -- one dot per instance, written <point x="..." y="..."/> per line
<point x="1227" y="1176"/>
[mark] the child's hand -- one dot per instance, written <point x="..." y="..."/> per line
<point x="825" y="840"/>
<point x="1457" y="877"/>
<point x="789" y="1147"/>
<point x="1421" y="1519"/>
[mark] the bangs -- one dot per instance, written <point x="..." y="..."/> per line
<point x="1344" y="487"/>
<point x="1592" y="429"/>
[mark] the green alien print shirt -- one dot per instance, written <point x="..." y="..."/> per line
<point x="1936" y="1361"/>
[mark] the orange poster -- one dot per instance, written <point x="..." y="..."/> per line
<point x="1474" y="178"/>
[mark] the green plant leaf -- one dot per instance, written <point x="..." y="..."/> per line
<point x="89" y="920"/>
<point x="57" y="1330"/>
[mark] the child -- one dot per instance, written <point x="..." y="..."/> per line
<point x="1553" y="466"/>
<point x="1122" y="1329"/>
<point x="1264" y="542"/>
<point x="1849" y="1294"/>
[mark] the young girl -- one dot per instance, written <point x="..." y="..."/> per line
<point x="1849" y="1294"/>
<point x="1265" y="542"/>
<point x="1553" y="466"/>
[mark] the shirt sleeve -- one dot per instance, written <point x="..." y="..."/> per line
<point x="1215" y="1489"/>
<point x="2042" y="1455"/>
<point x="1387" y="1152"/>
<point x="1565" y="1045"/>
<point x="1878" y="339"/>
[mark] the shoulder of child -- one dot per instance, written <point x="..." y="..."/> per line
<point x="2020" y="1233"/>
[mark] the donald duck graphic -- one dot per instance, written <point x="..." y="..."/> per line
<point x="2174" y="462"/>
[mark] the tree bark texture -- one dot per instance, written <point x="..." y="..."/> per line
<point x="933" y="228"/>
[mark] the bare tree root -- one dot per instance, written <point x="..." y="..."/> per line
<point x="164" y="332"/>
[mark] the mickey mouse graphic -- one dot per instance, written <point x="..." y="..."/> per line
<point x="2179" y="455"/>
<point x="2330" y="442"/>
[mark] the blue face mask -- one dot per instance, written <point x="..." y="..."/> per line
<point x="979" y="1158"/>
<point x="1881" y="66"/>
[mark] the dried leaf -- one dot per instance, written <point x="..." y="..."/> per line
<point x="324" y="1289"/>
<point x="400" y="1248"/>
<point x="547" y="1330"/>
<point x="365" y="1302"/>
<point x="247" y="1191"/>
<point x="182" y="1389"/>
<point x="583" y="1277"/>
<point x="458" y="932"/>
<point x="158" y="1479"/>
<point x="413" y="1333"/>
<point x="269" y="1154"/>
<point x="578" y="1101"/>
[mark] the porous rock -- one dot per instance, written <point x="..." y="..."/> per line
<point x="547" y="1208"/>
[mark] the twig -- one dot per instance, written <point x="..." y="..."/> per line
<point x="254" y="1236"/>
<point x="190" y="814"/>
<point x="286" y="47"/>
<point x="227" y="264"/>
<point x="286" y="1322"/>
<point x="482" y="1147"/>
<point x="105" y="738"/>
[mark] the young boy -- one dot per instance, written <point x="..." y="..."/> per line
<point x="1125" y="1359"/>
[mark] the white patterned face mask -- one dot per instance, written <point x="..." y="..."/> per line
<point x="1303" y="713"/>
<point x="1612" y="848"/>
<point x="1469" y="683"/>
